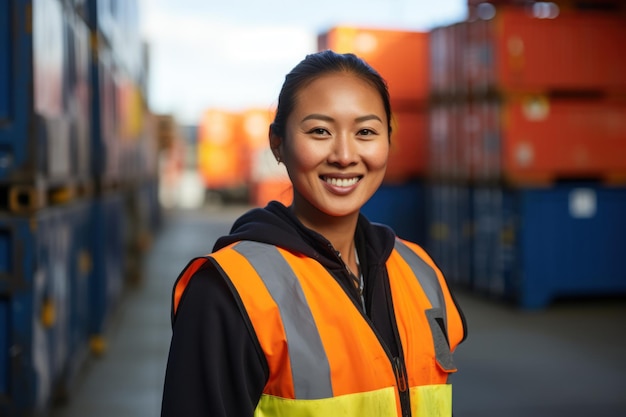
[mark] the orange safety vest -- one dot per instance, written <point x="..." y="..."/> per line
<point x="324" y="357"/>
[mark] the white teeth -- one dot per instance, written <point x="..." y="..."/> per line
<point x="342" y="182"/>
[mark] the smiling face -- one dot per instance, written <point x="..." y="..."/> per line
<point x="335" y="147"/>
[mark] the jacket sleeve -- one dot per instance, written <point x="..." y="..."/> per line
<point x="215" y="366"/>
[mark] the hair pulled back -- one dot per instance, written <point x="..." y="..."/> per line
<point x="315" y="65"/>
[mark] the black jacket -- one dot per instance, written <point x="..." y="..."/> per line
<point x="216" y="366"/>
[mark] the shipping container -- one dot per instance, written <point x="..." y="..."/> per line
<point x="115" y="25"/>
<point x="439" y="60"/>
<point x="44" y="137"/>
<point x="259" y="160"/>
<point x="109" y="226"/>
<point x="401" y="207"/>
<point x="265" y="190"/>
<point x="44" y="309"/>
<point x="6" y="78"/>
<point x="546" y="139"/>
<point x="401" y="57"/>
<point x="540" y="245"/>
<point x="539" y="7"/>
<point x="106" y="146"/>
<point x="408" y="152"/>
<point x="493" y="248"/>
<point x="449" y="229"/>
<point x="143" y="220"/>
<point x="444" y="141"/>
<point x="528" y="139"/>
<point x="517" y="51"/>
<point x="223" y="153"/>
<point x="122" y="132"/>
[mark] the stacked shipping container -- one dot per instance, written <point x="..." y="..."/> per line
<point x="78" y="166"/>
<point x="529" y="113"/>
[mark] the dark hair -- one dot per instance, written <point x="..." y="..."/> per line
<point x="315" y="65"/>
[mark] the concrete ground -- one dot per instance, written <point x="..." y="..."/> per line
<point x="567" y="360"/>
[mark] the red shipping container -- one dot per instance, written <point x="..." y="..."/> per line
<point x="441" y="47"/>
<point x="588" y="4"/>
<point x="438" y="134"/>
<point x="408" y="153"/>
<point x="470" y="119"/>
<point x="546" y="140"/>
<point x="401" y="57"/>
<point x="576" y="51"/>
<point x="443" y="141"/>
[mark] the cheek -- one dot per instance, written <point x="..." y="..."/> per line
<point x="377" y="158"/>
<point x="304" y="156"/>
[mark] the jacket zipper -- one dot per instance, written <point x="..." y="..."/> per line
<point x="403" y="387"/>
<point x="397" y="362"/>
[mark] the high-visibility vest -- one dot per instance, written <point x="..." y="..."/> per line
<point x="324" y="357"/>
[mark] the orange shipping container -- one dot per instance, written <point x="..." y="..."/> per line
<point x="254" y="126"/>
<point x="401" y="57"/>
<point x="264" y="191"/>
<point x="222" y="151"/>
<point x="408" y="153"/>
<point x="560" y="139"/>
<point x="574" y="51"/>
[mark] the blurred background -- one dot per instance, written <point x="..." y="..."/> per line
<point x="134" y="132"/>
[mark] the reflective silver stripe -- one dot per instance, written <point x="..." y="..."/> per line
<point x="426" y="276"/>
<point x="309" y="363"/>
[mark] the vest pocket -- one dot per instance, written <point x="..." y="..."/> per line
<point x="431" y="401"/>
<point x="443" y="355"/>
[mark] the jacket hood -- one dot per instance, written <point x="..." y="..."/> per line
<point x="275" y="224"/>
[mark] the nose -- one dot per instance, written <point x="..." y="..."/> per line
<point x="344" y="151"/>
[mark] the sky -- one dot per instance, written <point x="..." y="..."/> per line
<point x="234" y="54"/>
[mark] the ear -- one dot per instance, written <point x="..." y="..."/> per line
<point x="276" y="143"/>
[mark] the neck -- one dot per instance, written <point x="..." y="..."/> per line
<point x="338" y="230"/>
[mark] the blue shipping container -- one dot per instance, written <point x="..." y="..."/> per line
<point x="108" y="242"/>
<point x="44" y="102"/>
<point x="40" y="338"/>
<point x="571" y="243"/>
<point x="401" y="207"/>
<point x="450" y="230"/>
<point x="549" y="243"/>
<point x="5" y="65"/>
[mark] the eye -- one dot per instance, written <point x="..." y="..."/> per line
<point x="318" y="131"/>
<point x="366" y="132"/>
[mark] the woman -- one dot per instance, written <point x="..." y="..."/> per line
<point x="311" y="310"/>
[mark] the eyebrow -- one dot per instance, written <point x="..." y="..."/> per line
<point x="316" y="116"/>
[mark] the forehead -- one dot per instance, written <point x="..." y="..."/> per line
<point x="339" y="86"/>
<point x="331" y="80"/>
